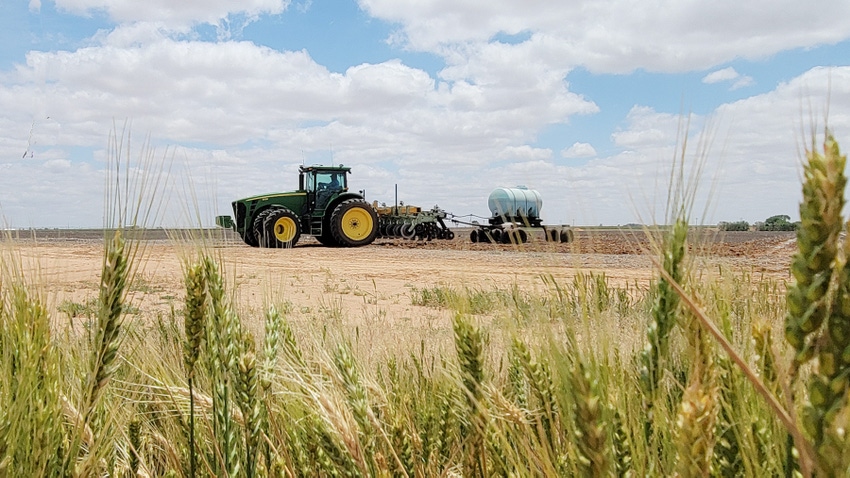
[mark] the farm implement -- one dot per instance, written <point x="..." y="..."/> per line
<point x="323" y="207"/>
<point x="411" y="222"/>
<point x="515" y="219"/>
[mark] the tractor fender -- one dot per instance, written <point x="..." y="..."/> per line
<point x="333" y="204"/>
<point x="342" y="197"/>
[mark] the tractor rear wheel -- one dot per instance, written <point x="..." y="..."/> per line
<point x="354" y="223"/>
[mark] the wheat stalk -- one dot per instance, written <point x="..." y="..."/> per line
<point x="805" y="450"/>
<point x="222" y="338"/>
<point x="248" y="400"/>
<point x="470" y="353"/>
<point x="193" y="319"/>
<point x="590" y="434"/>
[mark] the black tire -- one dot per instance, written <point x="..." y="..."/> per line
<point x="496" y="235"/>
<point x="567" y="235"/>
<point x="281" y="229"/>
<point x="523" y="236"/>
<point x="513" y="236"/>
<point x="449" y="235"/>
<point x="249" y="237"/>
<point x="259" y="223"/>
<point x="268" y="220"/>
<point x="408" y="231"/>
<point x="473" y="236"/>
<point x="552" y="235"/>
<point x="354" y="223"/>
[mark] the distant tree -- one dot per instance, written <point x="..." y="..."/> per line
<point x="779" y="222"/>
<point x="734" y="226"/>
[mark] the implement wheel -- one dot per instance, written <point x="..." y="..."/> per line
<point x="408" y="231"/>
<point x="514" y="236"/>
<point x="354" y="223"/>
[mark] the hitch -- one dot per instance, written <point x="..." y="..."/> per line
<point x="225" y="222"/>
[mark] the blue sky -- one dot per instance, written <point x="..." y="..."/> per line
<point x="584" y="102"/>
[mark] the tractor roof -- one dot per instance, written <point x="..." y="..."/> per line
<point x="320" y="168"/>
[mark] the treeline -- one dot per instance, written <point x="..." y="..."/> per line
<point x="774" y="223"/>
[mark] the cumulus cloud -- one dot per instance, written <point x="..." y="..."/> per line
<point x="579" y="150"/>
<point x="728" y="75"/>
<point x="613" y="36"/>
<point x="232" y="95"/>
<point x="242" y="117"/>
<point x="525" y="153"/>
<point x="184" y="12"/>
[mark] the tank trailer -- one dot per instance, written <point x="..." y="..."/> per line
<point x="515" y="217"/>
<point x="323" y="207"/>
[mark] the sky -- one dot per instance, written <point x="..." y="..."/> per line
<point x="590" y="102"/>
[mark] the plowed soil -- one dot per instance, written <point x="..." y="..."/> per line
<point x="377" y="282"/>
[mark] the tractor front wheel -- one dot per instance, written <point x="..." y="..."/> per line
<point x="277" y="228"/>
<point x="354" y="223"/>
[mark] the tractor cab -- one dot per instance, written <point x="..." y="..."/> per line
<point x="323" y="183"/>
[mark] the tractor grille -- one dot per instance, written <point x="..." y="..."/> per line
<point x="239" y="212"/>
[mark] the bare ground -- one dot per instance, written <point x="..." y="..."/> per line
<point x="377" y="280"/>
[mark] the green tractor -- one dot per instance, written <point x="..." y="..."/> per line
<point x="321" y="207"/>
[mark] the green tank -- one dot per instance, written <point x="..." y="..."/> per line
<point x="322" y="207"/>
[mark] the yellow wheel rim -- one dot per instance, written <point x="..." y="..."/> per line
<point x="357" y="223"/>
<point x="284" y="229"/>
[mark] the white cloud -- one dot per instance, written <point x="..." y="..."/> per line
<point x="437" y="156"/>
<point x="616" y="36"/>
<point x="229" y="96"/>
<point x="726" y="74"/>
<point x="525" y="153"/>
<point x="168" y="12"/>
<point x="579" y="150"/>
<point x="243" y="116"/>
<point x="743" y="82"/>
<point x="729" y="75"/>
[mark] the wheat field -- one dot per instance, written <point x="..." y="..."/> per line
<point x="688" y="374"/>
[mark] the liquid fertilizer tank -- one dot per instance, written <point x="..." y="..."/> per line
<point x="515" y="202"/>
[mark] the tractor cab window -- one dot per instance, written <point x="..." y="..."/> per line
<point x="332" y="181"/>
<point x="326" y="185"/>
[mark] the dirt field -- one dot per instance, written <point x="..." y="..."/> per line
<point x="373" y="283"/>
